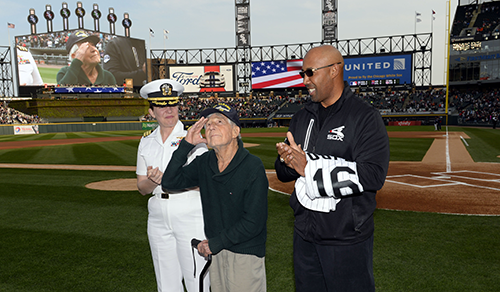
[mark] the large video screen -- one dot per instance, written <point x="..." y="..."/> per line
<point x="41" y="57"/>
<point x="212" y="78"/>
<point x="379" y="70"/>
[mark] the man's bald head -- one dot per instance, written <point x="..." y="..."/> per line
<point x="327" y="53"/>
<point x="326" y="84"/>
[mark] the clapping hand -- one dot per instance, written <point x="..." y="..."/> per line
<point x="292" y="155"/>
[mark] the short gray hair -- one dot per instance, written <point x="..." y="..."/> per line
<point x="233" y="124"/>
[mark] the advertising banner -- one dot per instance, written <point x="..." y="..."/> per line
<point x="21" y="130"/>
<point x="149" y="125"/>
<point x="379" y="70"/>
<point x="475" y="58"/>
<point x="203" y="78"/>
<point x="406" y="123"/>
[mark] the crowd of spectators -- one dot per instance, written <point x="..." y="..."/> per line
<point x="488" y="20"/>
<point x="49" y="40"/>
<point x="247" y="108"/>
<point x="477" y="106"/>
<point x="298" y="100"/>
<point x="56" y="40"/>
<point x="255" y="107"/>
<point x="472" y="106"/>
<point x="462" y="18"/>
<point x="407" y="101"/>
<point x="11" y="116"/>
<point x="485" y="22"/>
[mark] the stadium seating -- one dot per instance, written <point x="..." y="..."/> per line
<point x="473" y="106"/>
<point x="476" y="19"/>
<point x="12" y="116"/>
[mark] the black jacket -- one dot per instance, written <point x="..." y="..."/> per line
<point x="355" y="132"/>
<point x="125" y="59"/>
<point x="234" y="201"/>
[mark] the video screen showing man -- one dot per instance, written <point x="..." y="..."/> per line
<point x="126" y="58"/>
<point x="85" y="68"/>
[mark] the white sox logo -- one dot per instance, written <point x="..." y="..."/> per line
<point x="336" y="134"/>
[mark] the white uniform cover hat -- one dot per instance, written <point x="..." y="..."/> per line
<point x="162" y="92"/>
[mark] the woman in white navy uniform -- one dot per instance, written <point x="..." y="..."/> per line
<point x="174" y="218"/>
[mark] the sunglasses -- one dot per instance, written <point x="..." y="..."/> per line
<point x="310" y="72"/>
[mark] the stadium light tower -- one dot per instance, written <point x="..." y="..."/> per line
<point x="80" y="12"/>
<point x="329" y="21"/>
<point x="49" y="15"/>
<point x="242" y="11"/>
<point x="127" y="23"/>
<point x="32" y="19"/>
<point x="243" y="43"/>
<point x="112" y="19"/>
<point x="96" y="14"/>
<point x="65" y="14"/>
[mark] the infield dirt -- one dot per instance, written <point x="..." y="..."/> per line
<point x="447" y="180"/>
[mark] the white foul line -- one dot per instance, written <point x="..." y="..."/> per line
<point x="448" y="161"/>
<point x="275" y="190"/>
<point x="465" y="142"/>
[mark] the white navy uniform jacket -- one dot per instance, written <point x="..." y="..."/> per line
<point x="347" y="162"/>
<point x="28" y="70"/>
<point x="153" y="152"/>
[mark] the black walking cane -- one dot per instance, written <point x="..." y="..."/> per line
<point x="194" y="244"/>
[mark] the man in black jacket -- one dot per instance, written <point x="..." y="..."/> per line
<point x="337" y="151"/>
<point x="126" y="58"/>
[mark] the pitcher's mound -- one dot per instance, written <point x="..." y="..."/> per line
<point x="121" y="184"/>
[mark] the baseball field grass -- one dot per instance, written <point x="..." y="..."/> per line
<point x="48" y="74"/>
<point x="58" y="235"/>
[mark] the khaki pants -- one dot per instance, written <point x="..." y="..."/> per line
<point x="234" y="272"/>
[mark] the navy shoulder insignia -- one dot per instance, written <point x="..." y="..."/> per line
<point x="147" y="133"/>
<point x="21" y="48"/>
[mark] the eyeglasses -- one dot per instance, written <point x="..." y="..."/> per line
<point x="309" y="72"/>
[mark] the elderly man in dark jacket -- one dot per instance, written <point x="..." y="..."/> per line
<point x="233" y="187"/>
<point x="85" y="68"/>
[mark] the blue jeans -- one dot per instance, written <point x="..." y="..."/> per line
<point x="333" y="267"/>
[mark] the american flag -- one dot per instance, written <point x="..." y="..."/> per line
<point x="90" y="89"/>
<point x="276" y="74"/>
<point x="10" y="25"/>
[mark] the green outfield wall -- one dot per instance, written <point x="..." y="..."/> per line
<point x="84" y="109"/>
<point x="12" y="129"/>
<point x="96" y="126"/>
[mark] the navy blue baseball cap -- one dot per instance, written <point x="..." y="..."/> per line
<point x="81" y="36"/>
<point x="225" y="109"/>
